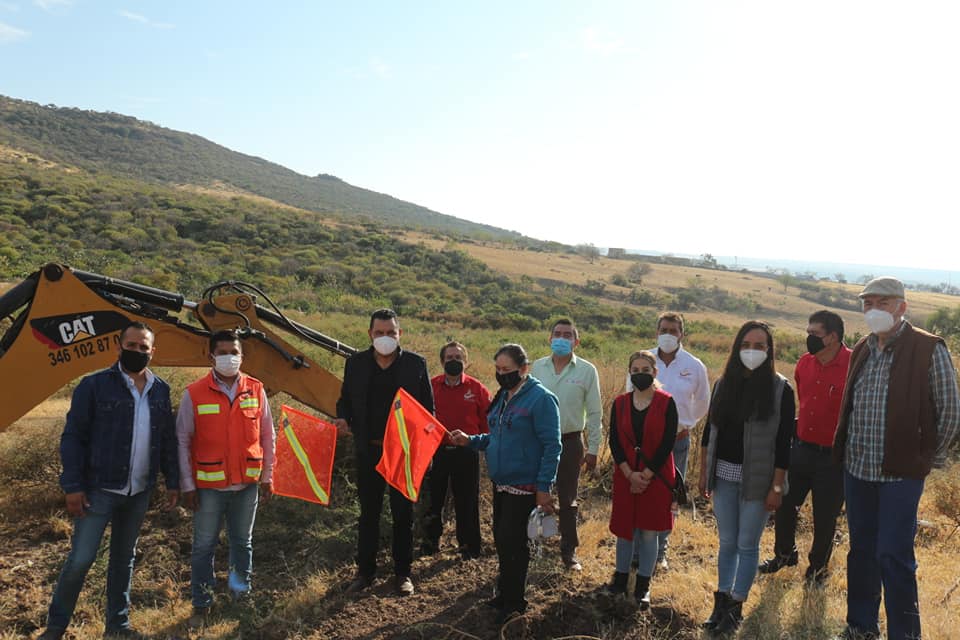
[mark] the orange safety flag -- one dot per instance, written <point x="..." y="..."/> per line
<point x="409" y="442"/>
<point x="304" y="461"/>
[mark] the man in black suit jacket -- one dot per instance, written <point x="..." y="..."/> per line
<point x="371" y="378"/>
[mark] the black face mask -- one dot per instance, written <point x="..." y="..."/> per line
<point x="453" y="367"/>
<point x="134" y="361"/>
<point x="641" y="381"/>
<point x="508" y="380"/>
<point x="815" y="344"/>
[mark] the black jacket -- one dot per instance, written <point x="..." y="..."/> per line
<point x="411" y="373"/>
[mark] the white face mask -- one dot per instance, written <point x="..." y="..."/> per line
<point x="879" y="321"/>
<point x="227" y="365"/>
<point x="667" y="343"/>
<point x="752" y="358"/>
<point x="385" y="345"/>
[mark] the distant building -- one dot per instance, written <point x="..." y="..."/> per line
<point x="616" y="253"/>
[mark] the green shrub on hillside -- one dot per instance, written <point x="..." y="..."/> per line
<point x="179" y="240"/>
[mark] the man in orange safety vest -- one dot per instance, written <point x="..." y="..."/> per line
<point x="226" y="447"/>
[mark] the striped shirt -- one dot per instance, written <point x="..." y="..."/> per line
<point x="868" y="418"/>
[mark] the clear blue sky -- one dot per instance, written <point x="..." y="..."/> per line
<point x="822" y="130"/>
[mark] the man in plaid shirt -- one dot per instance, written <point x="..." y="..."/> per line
<point x="900" y="412"/>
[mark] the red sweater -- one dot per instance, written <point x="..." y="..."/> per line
<point x="461" y="407"/>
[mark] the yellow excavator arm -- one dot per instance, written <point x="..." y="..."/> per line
<point x="66" y="323"/>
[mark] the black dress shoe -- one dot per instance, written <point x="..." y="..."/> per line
<point x="778" y="562"/>
<point x="359" y="583"/>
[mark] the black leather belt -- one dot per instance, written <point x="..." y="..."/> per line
<point x="571" y="434"/>
<point x="816" y="447"/>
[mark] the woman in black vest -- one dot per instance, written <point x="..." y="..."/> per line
<point x="745" y="454"/>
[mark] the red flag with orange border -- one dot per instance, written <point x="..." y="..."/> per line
<point x="304" y="461"/>
<point x="411" y="438"/>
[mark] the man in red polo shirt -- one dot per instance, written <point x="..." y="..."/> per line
<point x="460" y="402"/>
<point x="820" y="375"/>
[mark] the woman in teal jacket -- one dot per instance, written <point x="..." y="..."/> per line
<point x="522" y="450"/>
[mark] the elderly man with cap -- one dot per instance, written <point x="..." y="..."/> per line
<point x="899" y="413"/>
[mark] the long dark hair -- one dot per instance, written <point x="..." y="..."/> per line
<point x="728" y="405"/>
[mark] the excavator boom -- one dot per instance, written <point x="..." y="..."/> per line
<point x="66" y="323"/>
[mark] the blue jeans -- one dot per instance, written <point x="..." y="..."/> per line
<point x="125" y="516"/>
<point x="239" y="508"/>
<point x="740" y="525"/>
<point x="882" y="517"/>
<point x="643" y="547"/>
<point x="681" y="451"/>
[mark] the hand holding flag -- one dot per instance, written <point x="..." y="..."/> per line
<point x="458" y="438"/>
<point x="411" y="438"/>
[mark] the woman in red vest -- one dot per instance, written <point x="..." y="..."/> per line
<point x="643" y="427"/>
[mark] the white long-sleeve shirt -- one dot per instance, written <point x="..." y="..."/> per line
<point x="685" y="378"/>
<point x="140" y="445"/>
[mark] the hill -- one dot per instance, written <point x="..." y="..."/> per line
<point x="184" y="239"/>
<point x="124" y="146"/>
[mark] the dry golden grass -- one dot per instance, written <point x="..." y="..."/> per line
<point x="300" y="576"/>
<point x="9" y="154"/>
<point x="789" y="311"/>
<point x="224" y="191"/>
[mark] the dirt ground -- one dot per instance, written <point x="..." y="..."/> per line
<point x="303" y="559"/>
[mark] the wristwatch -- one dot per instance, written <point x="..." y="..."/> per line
<point x="778" y="488"/>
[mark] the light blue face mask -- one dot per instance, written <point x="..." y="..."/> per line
<point x="561" y="347"/>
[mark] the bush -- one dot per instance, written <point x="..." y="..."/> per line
<point x="31" y="456"/>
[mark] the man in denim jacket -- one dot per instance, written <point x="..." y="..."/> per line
<point x="119" y="433"/>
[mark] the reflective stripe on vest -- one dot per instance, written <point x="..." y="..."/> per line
<point x="226" y="431"/>
<point x="212" y="476"/>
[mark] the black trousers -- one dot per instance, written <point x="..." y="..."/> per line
<point x="458" y="468"/>
<point x="370" y="488"/>
<point x="510" y="514"/>
<point x="811" y="470"/>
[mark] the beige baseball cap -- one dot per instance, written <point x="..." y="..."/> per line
<point x="883" y="286"/>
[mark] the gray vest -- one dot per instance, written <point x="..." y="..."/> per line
<point x="759" y="449"/>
